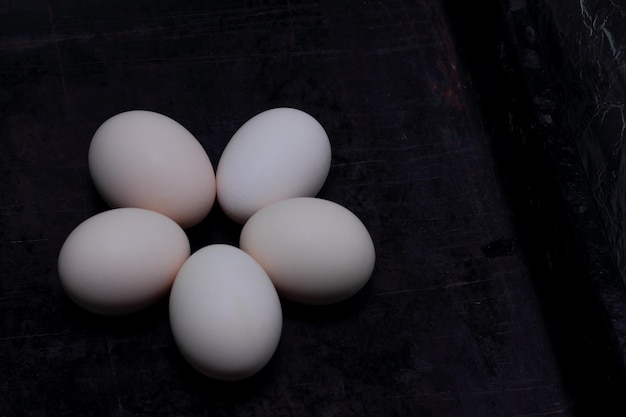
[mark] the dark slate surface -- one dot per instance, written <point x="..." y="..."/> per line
<point x="466" y="313"/>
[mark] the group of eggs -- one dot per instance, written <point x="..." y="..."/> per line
<point x="224" y="305"/>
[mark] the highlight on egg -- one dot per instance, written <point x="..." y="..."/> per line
<point x="122" y="260"/>
<point x="277" y="154"/>
<point x="315" y="251"/>
<point x="225" y="314"/>
<point x="145" y="159"/>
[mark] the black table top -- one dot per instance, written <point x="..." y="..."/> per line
<point x="452" y="322"/>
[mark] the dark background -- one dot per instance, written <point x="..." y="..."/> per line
<point x="488" y="298"/>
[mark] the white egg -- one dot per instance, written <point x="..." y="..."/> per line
<point x="315" y="251"/>
<point x="122" y="260"/>
<point x="277" y="154"/>
<point x="145" y="159"/>
<point x="225" y="314"/>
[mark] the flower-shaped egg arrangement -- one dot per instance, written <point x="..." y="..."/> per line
<point x="224" y="306"/>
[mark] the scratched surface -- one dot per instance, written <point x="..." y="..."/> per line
<point x="451" y="323"/>
<point x="572" y="53"/>
<point x="586" y="39"/>
<point x="591" y="38"/>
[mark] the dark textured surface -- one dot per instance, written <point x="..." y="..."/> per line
<point x="455" y="320"/>
<point x="585" y="41"/>
<point x="572" y="61"/>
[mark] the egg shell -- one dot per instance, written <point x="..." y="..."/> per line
<point x="315" y="251"/>
<point x="225" y="314"/>
<point x="280" y="153"/>
<point x="122" y="260"/>
<point x="145" y="159"/>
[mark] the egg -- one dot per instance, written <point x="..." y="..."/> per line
<point x="147" y="160"/>
<point x="315" y="251"/>
<point x="122" y="260"/>
<point x="225" y="314"/>
<point x="278" y="154"/>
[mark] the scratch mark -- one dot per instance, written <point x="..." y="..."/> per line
<point x="371" y="161"/>
<point x="477" y="301"/>
<point x="408" y="291"/>
<point x="464" y="283"/>
<point x="28" y="241"/>
<point x="382" y="6"/>
<point x="289" y="402"/>
<point x="547" y="413"/>
<point x="33" y="336"/>
<point x="114" y="373"/>
<point x="59" y="61"/>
